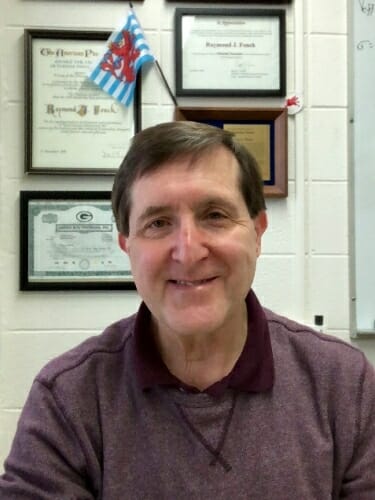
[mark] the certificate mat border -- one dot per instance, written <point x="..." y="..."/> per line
<point x="27" y="243"/>
<point x="277" y="117"/>
<point x="62" y="34"/>
<point x="230" y="92"/>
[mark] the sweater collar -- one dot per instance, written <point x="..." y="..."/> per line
<point x="253" y="371"/>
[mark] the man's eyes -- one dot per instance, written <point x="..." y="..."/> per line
<point x="158" y="223"/>
<point x="216" y="214"/>
<point x="155" y="228"/>
<point x="162" y="225"/>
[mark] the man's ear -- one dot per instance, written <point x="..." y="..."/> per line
<point x="260" y="224"/>
<point x="123" y="242"/>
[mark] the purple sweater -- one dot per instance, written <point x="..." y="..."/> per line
<point x="90" y="431"/>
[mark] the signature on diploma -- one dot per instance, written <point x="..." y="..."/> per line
<point x="367" y="7"/>
<point x="365" y="44"/>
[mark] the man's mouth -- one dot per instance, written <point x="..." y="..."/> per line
<point x="192" y="283"/>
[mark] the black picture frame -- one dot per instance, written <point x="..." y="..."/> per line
<point x="214" y="60"/>
<point x="68" y="241"/>
<point x="50" y="148"/>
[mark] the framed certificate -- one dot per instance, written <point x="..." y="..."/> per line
<point x="71" y="125"/>
<point x="263" y="131"/>
<point x="230" y="52"/>
<point x="68" y="241"/>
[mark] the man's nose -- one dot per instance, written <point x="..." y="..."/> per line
<point x="190" y="243"/>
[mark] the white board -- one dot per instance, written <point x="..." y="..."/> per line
<point x="363" y="154"/>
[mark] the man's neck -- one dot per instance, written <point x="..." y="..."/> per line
<point x="200" y="361"/>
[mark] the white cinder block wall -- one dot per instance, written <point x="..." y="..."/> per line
<point x="304" y="269"/>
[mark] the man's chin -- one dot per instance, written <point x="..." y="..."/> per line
<point x="192" y="324"/>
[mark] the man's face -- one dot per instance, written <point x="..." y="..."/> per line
<point x="192" y="243"/>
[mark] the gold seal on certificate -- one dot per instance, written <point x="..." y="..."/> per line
<point x="227" y="52"/>
<point x="69" y="241"/>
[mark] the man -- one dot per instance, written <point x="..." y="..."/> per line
<point x="203" y="394"/>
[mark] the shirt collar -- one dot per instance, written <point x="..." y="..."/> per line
<point x="253" y="371"/>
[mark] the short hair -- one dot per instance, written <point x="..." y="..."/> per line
<point x="156" y="145"/>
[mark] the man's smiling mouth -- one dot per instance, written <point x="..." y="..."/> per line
<point x="188" y="283"/>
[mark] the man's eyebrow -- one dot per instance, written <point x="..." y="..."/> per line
<point x="153" y="210"/>
<point x="218" y="201"/>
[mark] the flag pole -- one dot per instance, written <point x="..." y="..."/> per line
<point x="171" y="95"/>
<point x="166" y="83"/>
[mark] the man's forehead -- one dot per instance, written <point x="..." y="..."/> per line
<point x="165" y="195"/>
<point x="196" y="204"/>
<point x="195" y="161"/>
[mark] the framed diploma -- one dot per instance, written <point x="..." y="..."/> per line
<point x="262" y="131"/>
<point x="68" y="241"/>
<point x="230" y="52"/>
<point x="71" y="125"/>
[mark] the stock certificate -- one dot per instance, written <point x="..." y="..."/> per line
<point x="74" y="240"/>
<point x="75" y="126"/>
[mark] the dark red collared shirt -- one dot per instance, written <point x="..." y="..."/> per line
<point x="253" y="371"/>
